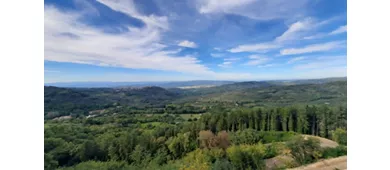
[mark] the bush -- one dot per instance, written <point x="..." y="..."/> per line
<point x="247" y="156"/>
<point x="216" y="154"/>
<point x="196" y="160"/>
<point x="274" y="149"/>
<point x="334" y="152"/>
<point x="222" y="164"/>
<point x="305" y="151"/>
<point x="340" y="136"/>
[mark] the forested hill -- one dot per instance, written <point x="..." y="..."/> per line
<point x="266" y="94"/>
<point x="79" y="101"/>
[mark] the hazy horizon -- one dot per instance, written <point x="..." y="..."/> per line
<point x="168" y="81"/>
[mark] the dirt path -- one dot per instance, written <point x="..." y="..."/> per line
<point x="281" y="160"/>
<point x="323" y="141"/>
<point x="328" y="164"/>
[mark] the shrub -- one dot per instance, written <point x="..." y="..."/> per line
<point x="196" y="160"/>
<point x="216" y="154"/>
<point x="340" y="136"/>
<point x="304" y="150"/>
<point x="274" y="149"/>
<point x="334" y="152"/>
<point x="247" y="156"/>
<point x="222" y="164"/>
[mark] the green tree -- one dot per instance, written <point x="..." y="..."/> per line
<point x="340" y="136"/>
<point x="50" y="163"/>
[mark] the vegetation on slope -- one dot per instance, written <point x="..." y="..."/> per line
<point x="235" y="126"/>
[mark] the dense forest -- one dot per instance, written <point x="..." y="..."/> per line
<point x="233" y="126"/>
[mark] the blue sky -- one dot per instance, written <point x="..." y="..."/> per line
<point x="169" y="40"/>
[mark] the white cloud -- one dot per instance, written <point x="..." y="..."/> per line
<point x="304" y="27"/>
<point x="339" y="30"/>
<point x="231" y="59"/>
<point x="128" y="7"/>
<point x="296" y="28"/>
<point x="69" y="40"/>
<point x="188" y="44"/>
<point x="316" y="36"/>
<point x="295" y="59"/>
<point x="140" y="48"/>
<point x="313" y="48"/>
<point x="226" y="64"/>
<point x="218" y="49"/>
<point x="267" y="65"/>
<point x="261" y="47"/>
<point x="296" y="31"/>
<point x="211" y="6"/>
<point x="324" y="62"/>
<point x="256" y="9"/>
<point x="256" y="60"/>
<point x="216" y="55"/>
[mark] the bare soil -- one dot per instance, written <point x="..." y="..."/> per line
<point x="281" y="161"/>
<point x="339" y="163"/>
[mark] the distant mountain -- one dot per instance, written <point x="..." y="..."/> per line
<point x="171" y="84"/>
<point x="308" y="81"/>
<point x="266" y="94"/>
<point x="79" y="101"/>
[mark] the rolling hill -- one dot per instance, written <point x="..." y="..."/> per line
<point x="248" y="94"/>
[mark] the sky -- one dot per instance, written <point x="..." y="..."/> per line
<point x="170" y="40"/>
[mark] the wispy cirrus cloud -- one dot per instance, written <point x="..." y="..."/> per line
<point x="226" y="64"/>
<point x="296" y="31"/>
<point x="211" y="6"/>
<point x="339" y="30"/>
<point x="257" y="60"/>
<point x="316" y="36"/>
<point x="313" y="48"/>
<point x="267" y="65"/>
<point x="255" y="9"/>
<point x="128" y="7"/>
<point x="323" y="62"/>
<point x="301" y="29"/>
<point x="188" y="44"/>
<point x="139" y="48"/>
<point x="295" y="59"/>
<point x="216" y="55"/>
<point x="232" y="59"/>
<point x="261" y="47"/>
